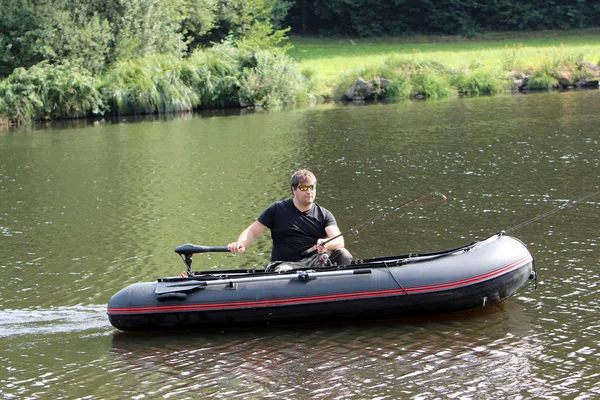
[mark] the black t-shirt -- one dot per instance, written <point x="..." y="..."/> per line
<point x="294" y="231"/>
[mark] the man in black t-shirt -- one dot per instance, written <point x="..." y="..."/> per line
<point x="297" y="224"/>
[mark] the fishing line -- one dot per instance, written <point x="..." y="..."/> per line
<point x="550" y="212"/>
<point x="425" y="199"/>
<point x="428" y="198"/>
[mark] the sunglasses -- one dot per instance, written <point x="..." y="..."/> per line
<point x="304" y="188"/>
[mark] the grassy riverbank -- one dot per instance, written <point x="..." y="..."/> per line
<point x="331" y="61"/>
<point x="245" y="74"/>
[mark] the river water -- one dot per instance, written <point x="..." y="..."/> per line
<point x="87" y="208"/>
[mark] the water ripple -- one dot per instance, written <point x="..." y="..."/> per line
<point x="55" y="320"/>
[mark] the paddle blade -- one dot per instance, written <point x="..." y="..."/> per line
<point x="173" y="287"/>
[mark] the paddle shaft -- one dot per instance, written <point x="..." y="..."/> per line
<point x="301" y="276"/>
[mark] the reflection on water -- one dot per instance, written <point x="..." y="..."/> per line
<point x="449" y="357"/>
<point x="89" y="208"/>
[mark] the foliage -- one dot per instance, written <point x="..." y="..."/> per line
<point x="478" y="81"/>
<point x="217" y="70"/>
<point x="541" y="81"/>
<point x="278" y="12"/>
<point x="368" y="18"/>
<point x="20" y="101"/>
<point x="20" y="27"/>
<point x="234" y="19"/>
<point x="412" y="78"/>
<point x="150" y="85"/>
<point x="274" y="81"/>
<point x="96" y="35"/>
<point x="47" y="92"/>
<point x="75" y="37"/>
<point x="400" y="87"/>
<point x="430" y="85"/>
<point x="511" y="59"/>
<point x="70" y="58"/>
<point x="583" y="72"/>
<point x="260" y="35"/>
<point x="90" y="34"/>
<point x="408" y="78"/>
<point x="457" y="59"/>
<point x="251" y="70"/>
<point x="146" y="27"/>
<point x="198" y="20"/>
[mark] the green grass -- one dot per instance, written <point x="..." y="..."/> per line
<point x="329" y="58"/>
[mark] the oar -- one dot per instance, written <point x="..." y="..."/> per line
<point x="428" y="198"/>
<point x="184" y="286"/>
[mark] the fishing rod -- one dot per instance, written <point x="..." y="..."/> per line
<point x="550" y="212"/>
<point x="428" y="198"/>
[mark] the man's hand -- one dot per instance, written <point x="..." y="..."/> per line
<point x="321" y="247"/>
<point x="236" y="247"/>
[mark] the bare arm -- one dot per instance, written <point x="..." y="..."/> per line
<point x="246" y="238"/>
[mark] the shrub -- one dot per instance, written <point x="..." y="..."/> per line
<point x="20" y="102"/>
<point x="129" y="89"/>
<point x="3" y="110"/>
<point x="479" y="81"/>
<point x="156" y="84"/>
<point x="400" y="87"/>
<point x="583" y="72"/>
<point x="430" y="85"/>
<point x="274" y="81"/>
<point x="217" y="70"/>
<point x="174" y="83"/>
<point x="45" y="91"/>
<point x="540" y="80"/>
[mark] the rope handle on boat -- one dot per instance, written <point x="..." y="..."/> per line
<point x="425" y="199"/>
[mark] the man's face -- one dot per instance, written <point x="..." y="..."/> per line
<point x="305" y="192"/>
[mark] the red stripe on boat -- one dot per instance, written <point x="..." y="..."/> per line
<point x="330" y="297"/>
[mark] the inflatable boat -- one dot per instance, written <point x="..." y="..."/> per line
<point x="472" y="276"/>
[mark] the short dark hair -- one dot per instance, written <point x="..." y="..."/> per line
<point x="301" y="176"/>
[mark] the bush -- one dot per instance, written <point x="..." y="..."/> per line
<point x="400" y="87"/>
<point x="430" y="85"/>
<point x="541" y="81"/>
<point x="479" y="81"/>
<point x="221" y="76"/>
<point x="156" y="84"/>
<point x="583" y="72"/>
<point x="217" y="70"/>
<point x="274" y="81"/>
<point x="3" y="111"/>
<point x="49" y="92"/>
